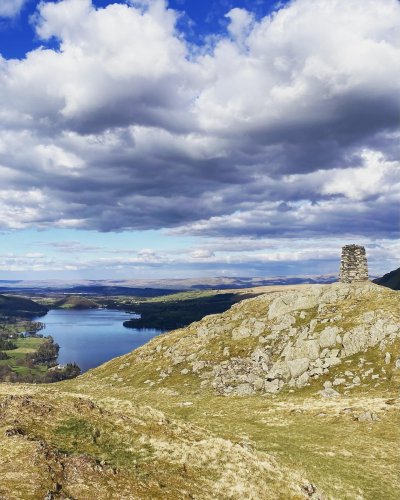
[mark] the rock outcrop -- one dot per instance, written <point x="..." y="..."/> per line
<point x="285" y="339"/>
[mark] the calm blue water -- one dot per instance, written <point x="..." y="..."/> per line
<point x="92" y="336"/>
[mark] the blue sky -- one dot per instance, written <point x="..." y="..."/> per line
<point x="152" y="139"/>
<point x="198" y="20"/>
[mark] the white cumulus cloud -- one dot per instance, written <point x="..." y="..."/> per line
<point x="11" y="8"/>
<point x="286" y="125"/>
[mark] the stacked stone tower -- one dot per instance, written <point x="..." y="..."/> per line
<point x="353" y="266"/>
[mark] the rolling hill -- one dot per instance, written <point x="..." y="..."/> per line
<point x="20" y="306"/>
<point x="75" y="302"/>
<point x="291" y="394"/>
<point x="390" y="280"/>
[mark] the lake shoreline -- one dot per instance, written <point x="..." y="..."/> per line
<point x="90" y="337"/>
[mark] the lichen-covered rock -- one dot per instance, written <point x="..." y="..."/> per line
<point x="339" y="381"/>
<point x="198" y="365"/>
<point x="316" y="372"/>
<point x="243" y="390"/>
<point x="366" y="416"/>
<point x="258" y="383"/>
<point x="279" y="370"/>
<point x="294" y="301"/>
<point x="298" y="366"/>
<point x="284" y="323"/>
<point x="303" y="349"/>
<point x="328" y="336"/>
<point x="328" y="362"/>
<point x="329" y="393"/>
<point x="303" y="379"/>
<point x="241" y="332"/>
<point x="261" y="356"/>
<point x="248" y="328"/>
<point x="356" y="340"/>
<point x="273" y="386"/>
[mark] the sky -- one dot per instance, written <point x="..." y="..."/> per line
<point x="155" y="139"/>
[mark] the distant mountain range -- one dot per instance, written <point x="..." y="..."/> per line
<point x="150" y="288"/>
<point x="390" y="280"/>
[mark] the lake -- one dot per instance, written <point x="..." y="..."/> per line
<point x="91" y="337"/>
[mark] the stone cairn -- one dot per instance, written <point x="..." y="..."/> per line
<point x="353" y="266"/>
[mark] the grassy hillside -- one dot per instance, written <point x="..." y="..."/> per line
<point x="390" y="280"/>
<point x="75" y="302"/>
<point x="156" y="423"/>
<point x="20" y="306"/>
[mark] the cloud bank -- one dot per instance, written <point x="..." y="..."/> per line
<point x="284" y="126"/>
<point x="214" y="257"/>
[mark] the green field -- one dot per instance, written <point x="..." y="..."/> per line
<point x="24" y="346"/>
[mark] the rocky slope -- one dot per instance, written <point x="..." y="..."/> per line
<point x="284" y="340"/>
<point x="289" y="395"/>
